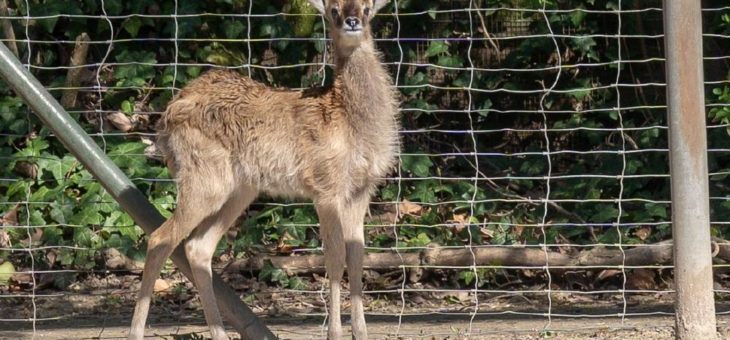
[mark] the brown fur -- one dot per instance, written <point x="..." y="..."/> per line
<point x="227" y="137"/>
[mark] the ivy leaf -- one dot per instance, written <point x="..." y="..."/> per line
<point x="37" y="217"/>
<point x="65" y="256"/>
<point x="18" y="188"/>
<point x="193" y="71"/>
<point x="450" y="61"/>
<point x="164" y="205"/>
<point x="32" y="149"/>
<point x="89" y="215"/>
<point x="424" y="192"/>
<point x="418" y="165"/>
<point x="437" y="47"/>
<point x="420" y="241"/>
<point x="50" y="9"/>
<point x="604" y="213"/>
<point x="585" y="44"/>
<point x="53" y="235"/>
<point x="656" y="210"/>
<point x="577" y="17"/>
<point x="271" y="273"/>
<point x="138" y="70"/>
<point x="468" y="276"/>
<point x="63" y="167"/>
<point x="132" y="26"/>
<point x="296" y="283"/>
<point x="127" y="106"/>
<point x="40" y="194"/>
<point x="233" y="29"/>
<point x="83" y="237"/>
<point x="129" y="156"/>
<point x="113" y="7"/>
<point x="61" y="213"/>
<point x="389" y="192"/>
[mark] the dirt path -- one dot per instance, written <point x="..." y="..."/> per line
<point x="412" y="327"/>
<point x="105" y="312"/>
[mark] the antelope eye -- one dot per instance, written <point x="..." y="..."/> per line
<point x="335" y="12"/>
<point x="367" y="11"/>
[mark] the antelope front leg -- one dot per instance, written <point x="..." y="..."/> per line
<point x="334" y="260"/>
<point x="355" y="241"/>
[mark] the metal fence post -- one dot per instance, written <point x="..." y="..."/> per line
<point x="695" y="305"/>
<point x="117" y="184"/>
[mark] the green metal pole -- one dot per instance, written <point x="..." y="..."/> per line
<point x="117" y="184"/>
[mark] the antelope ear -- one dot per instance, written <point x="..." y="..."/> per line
<point x="379" y="4"/>
<point x="318" y="4"/>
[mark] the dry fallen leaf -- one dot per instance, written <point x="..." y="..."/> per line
<point x="643" y="233"/>
<point x="35" y="237"/>
<point x="283" y="247"/>
<point x="608" y="273"/>
<point x="455" y="297"/>
<point x="26" y="169"/>
<point x="518" y="230"/>
<point x="51" y="257"/>
<point x="152" y="152"/>
<point x="161" y="286"/>
<point x="141" y="121"/>
<point x="5" y="239"/>
<point x="460" y="218"/>
<point x="458" y="222"/>
<point x="22" y="278"/>
<point x="486" y="233"/>
<point x="641" y="279"/>
<point x="116" y="260"/>
<point x="120" y="121"/>
<point x="384" y="218"/>
<point x="407" y="207"/>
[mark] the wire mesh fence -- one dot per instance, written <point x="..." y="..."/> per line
<point x="533" y="182"/>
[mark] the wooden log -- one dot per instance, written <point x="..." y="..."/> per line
<point x="723" y="248"/>
<point x="515" y="256"/>
<point x="73" y="77"/>
<point x="495" y="256"/>
<point x="657" y="254"/>
<point x="315" y="263"/>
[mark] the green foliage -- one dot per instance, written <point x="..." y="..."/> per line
<point x="275" y="275"/>
<point x="492" y="197"/>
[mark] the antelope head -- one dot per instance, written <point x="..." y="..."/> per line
<point x="349" y="20"/>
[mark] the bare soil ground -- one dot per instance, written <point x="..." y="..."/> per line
<point x="421" y="327"/>
<point x="101" y="307"/>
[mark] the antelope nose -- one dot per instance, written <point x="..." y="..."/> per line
<point x="353" y="22"/>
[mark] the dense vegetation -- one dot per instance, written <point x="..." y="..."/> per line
<point x="459" y="96"/>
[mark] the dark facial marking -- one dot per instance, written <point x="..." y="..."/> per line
<point x="352" y="9"/>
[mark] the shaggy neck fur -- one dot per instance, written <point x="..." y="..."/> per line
<point x="366" y="90"/>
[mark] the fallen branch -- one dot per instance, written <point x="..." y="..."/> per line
<point x="73" y="77"/>
<point x="722" y="249"/>
<point x="8" y="28"/>
<point x="315" y="263"/>
<point x="515" y="256"/>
